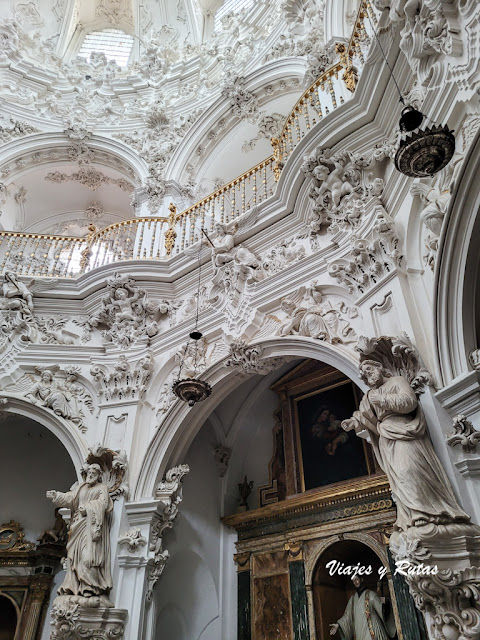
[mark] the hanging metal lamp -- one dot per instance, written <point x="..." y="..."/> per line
<point x="191" y="389"/>
<point x="420" y="153"/>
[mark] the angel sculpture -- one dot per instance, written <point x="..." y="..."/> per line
<point x="18" y="296"/>
<point x="62" y="397"/>
<point x="224" y="251"/>
<point x="13" y="289"/>
<point x="317" y="318"/>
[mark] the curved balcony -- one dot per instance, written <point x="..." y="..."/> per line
<point x="155" y="238"/>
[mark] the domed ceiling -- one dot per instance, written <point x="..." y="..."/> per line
<point x="206" y="85"/>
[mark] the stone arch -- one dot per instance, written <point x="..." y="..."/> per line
<point x="180" y="426"/>
<point x="72" y="440"/>
<point x="313" y="564"/>
<point x="39" y="142"/>
<point x="323" y="545"/>
<point x="456" y="284"/>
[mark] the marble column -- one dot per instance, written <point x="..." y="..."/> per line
<point x="298" y="593"/>
<point x="244" y="617"/>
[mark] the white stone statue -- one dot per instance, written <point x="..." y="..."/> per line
<point x="316" y="318"/>
<point x="15" y="292"/>
<point x="88" y="581"/>
<point x="363" y="618"/>
<point x="391" y="413"/>
<point x="62" y="397"/>
<point x="224" y="251"/>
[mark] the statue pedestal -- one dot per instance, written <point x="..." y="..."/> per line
<point x="451" y="593"/>
<point x="72" y="622"/>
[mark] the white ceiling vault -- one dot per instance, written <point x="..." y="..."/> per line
<point x="195" y="106"/>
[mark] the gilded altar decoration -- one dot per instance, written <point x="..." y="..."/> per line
<point x="171" y="234"/>
<point x="12" y="538"/>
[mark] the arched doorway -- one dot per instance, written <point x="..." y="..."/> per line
<point x="8" y="618"/>
<point x="332" y="587"/>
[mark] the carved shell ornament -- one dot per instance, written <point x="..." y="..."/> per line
<point x="114" y="469"/>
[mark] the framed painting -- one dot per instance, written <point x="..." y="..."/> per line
<point x="326" y="453"/>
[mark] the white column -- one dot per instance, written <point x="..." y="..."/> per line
<point x="462" y="397"/>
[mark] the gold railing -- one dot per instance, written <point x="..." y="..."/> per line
<point x="332" y="88"/>
<point x="31" y="254"/>
<point x="155" y="238"/>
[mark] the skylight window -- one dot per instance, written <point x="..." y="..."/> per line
<point x="230" y="6"/>
<point x="115" y="44"/>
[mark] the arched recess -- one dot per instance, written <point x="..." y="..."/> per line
<point x="457" y="292"/>
<point x="43" y="142"/>
<point x="9" y="616"/>
<point x="67" y="434"/>
<point x="181" y="424"/>
<point x="329" y="596"/>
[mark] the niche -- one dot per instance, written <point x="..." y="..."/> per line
<point x="331" y="593"/>
<point x="8" y="618"/>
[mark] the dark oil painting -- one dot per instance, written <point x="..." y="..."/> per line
<point x="328" y="453"/>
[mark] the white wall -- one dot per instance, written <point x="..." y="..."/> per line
<point x="195" y="591"/>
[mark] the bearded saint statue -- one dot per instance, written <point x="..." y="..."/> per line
<point x="391" y="413"/>
<point x="88" y="580"/>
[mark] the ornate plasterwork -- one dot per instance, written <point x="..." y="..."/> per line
<point x="435" y="196"/>
<point x="159" y="139"/>
<point x="370" y="259"/>
<point x="124" y="380"/>
<point x="91" y="178"/>
<point x="222" y="455"/>
<point x="56" y="390"/>
<point x="304" y="35"/>
<point x="464" y="434"/>
<point x="94" y="211"/>
<point x="250" y="359"/>
<point x="269" y="126"/>
<point x="52" y="330"/>
<point x="18" y="129"/>
<point x="126" y="313"/>
<point x="17" y="319"/>
<point x="69" y="620"/>
<point x="316" y="317"/>
<point x="341" y="189"/>
<point x="132" y="539"/>
<point x="398" y="357"/>
<point x="243" y="103"/>
<point x="114" y="468"/>
<point x="284" y="254"/>
<point x="450" y="595"/>
<point x="235" y="268"/>
<point x="429" y="31"/>
<point x="115" y="10"/>
<point x="172" y="485"/>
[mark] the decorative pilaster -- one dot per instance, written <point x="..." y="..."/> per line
<point x="172" y="487"/>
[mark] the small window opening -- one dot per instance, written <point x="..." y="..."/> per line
<point x="115" y="44"/>
<point x="230" y="6"/>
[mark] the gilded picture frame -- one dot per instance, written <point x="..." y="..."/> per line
<point x="326" y="453"/>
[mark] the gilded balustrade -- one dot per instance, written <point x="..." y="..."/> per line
<point x="332" y="88"/>
<point x="155" y="238"/>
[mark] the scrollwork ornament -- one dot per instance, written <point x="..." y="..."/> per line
<point x="464" y="434"/>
